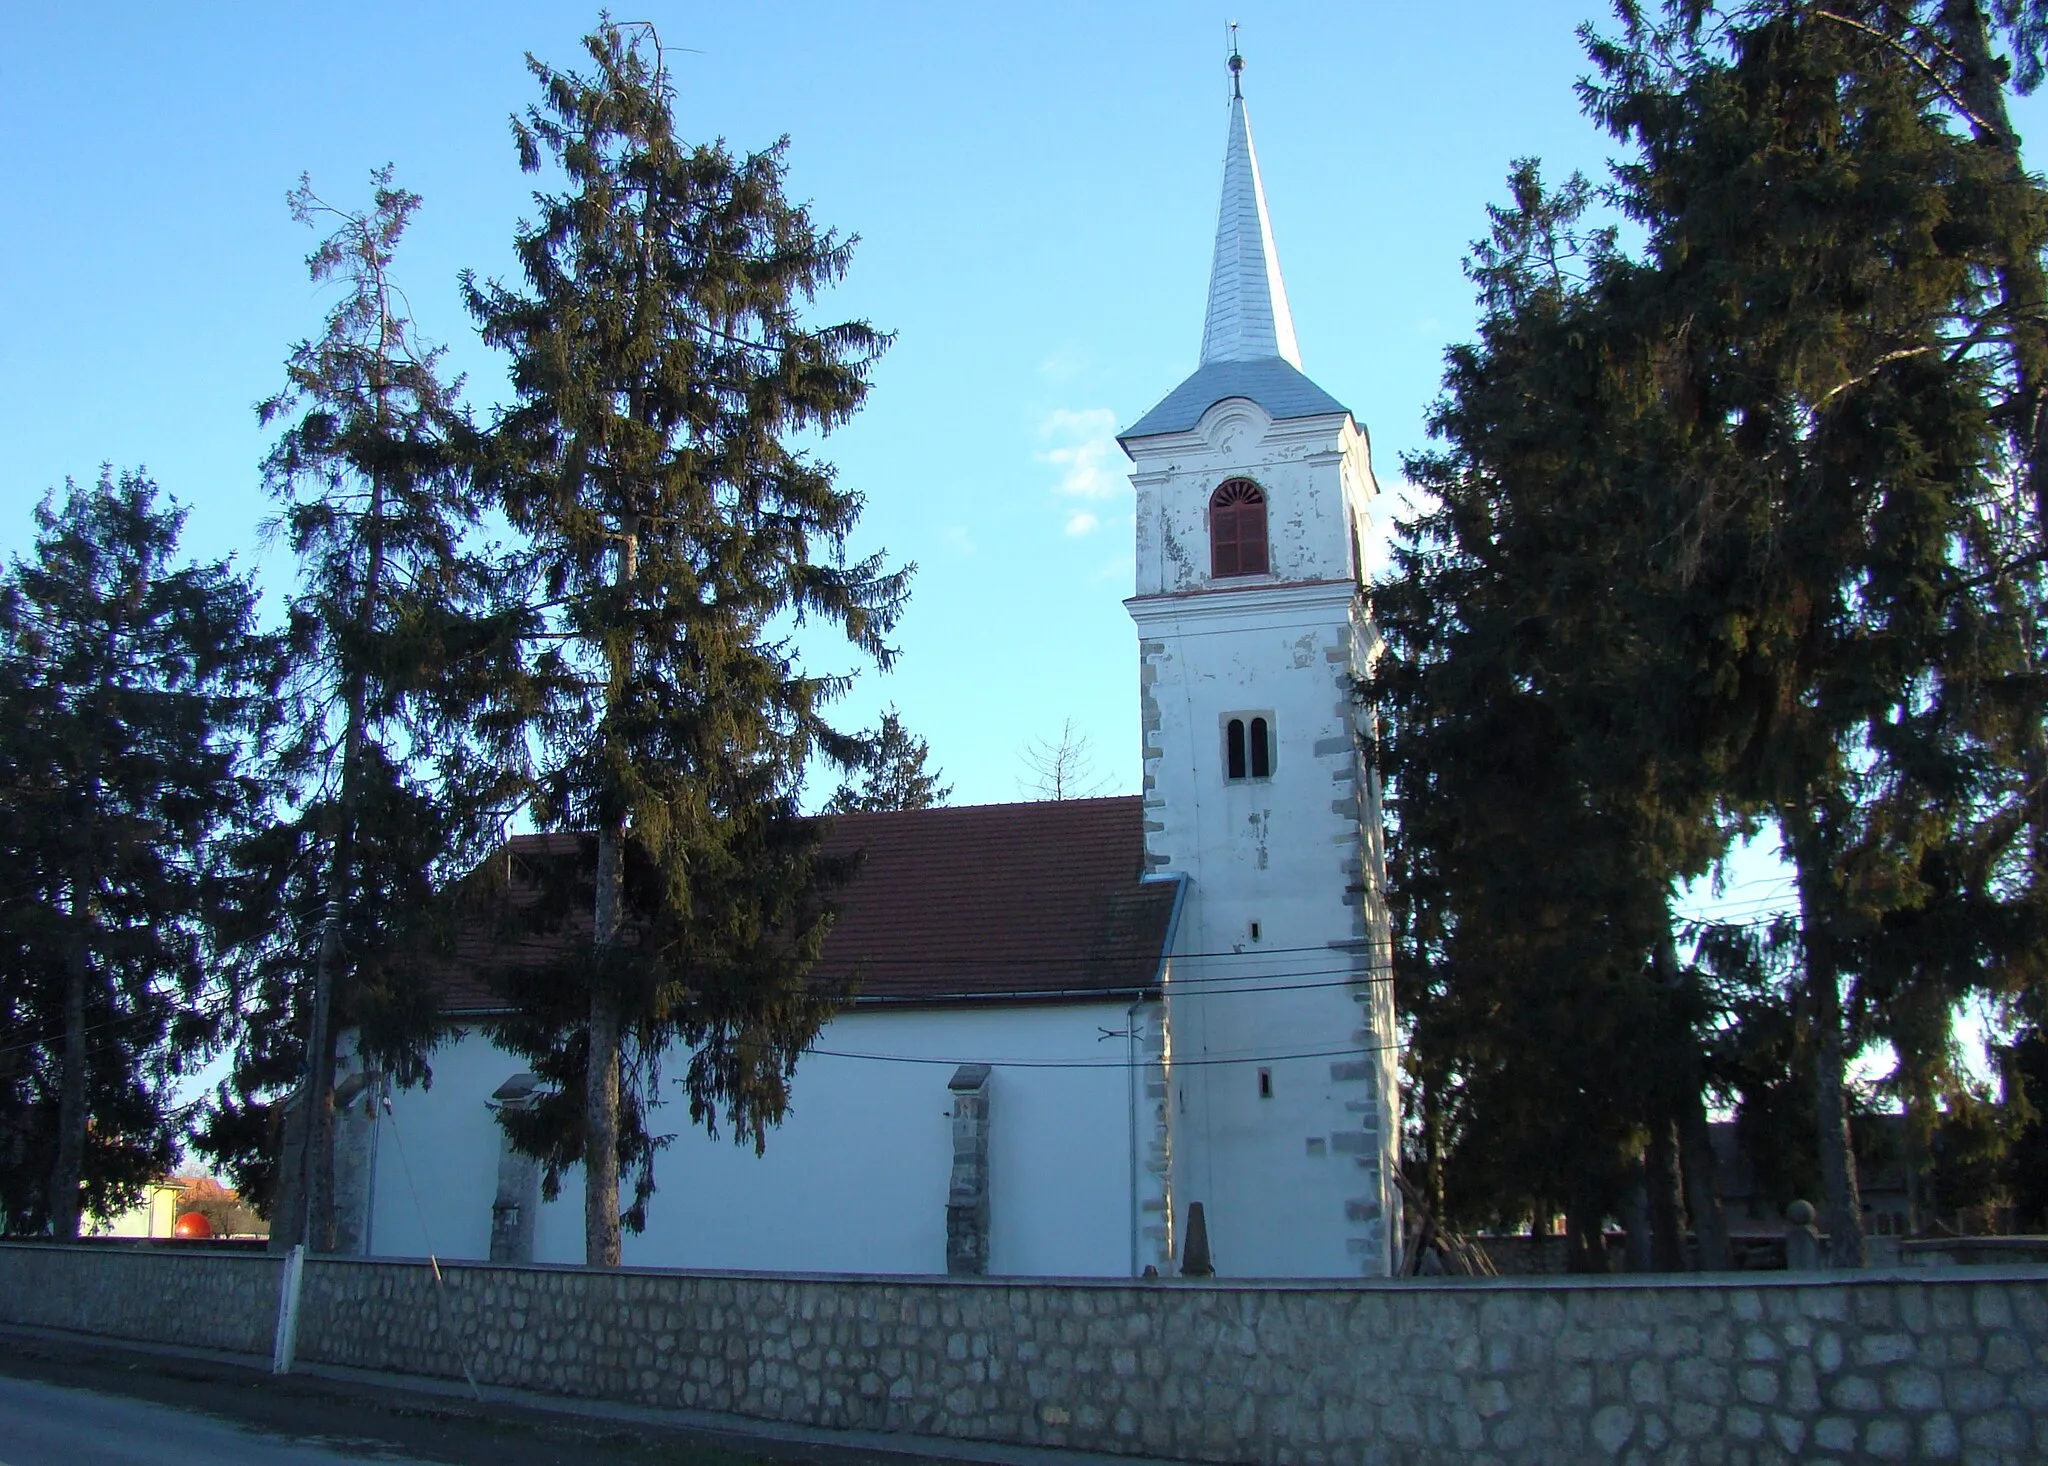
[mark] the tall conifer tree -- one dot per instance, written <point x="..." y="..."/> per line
<point x="388" y="771"/>
<point x="661" y="365"/>
<point x="892" y="773"/>
<point x="1542" y="816"/>
<point x="1737" y="509"/>
<point x="1838" y="416"/>
<point x="132" y="698"/>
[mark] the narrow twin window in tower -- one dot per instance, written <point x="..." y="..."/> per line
<point x="1237" y="529"/>
<point x="1247" y="748"/>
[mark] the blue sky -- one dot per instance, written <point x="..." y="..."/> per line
<point x="1035" y="191"/>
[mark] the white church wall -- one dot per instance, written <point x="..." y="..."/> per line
<point x="855" y="1178"/>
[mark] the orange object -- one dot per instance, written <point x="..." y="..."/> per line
<point x="193" y="1227"/>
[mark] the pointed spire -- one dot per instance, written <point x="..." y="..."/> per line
<point x="1248" y="317"/>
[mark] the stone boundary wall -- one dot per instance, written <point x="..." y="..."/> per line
<point x="199" y="1300"/>
<point x="1932" y="1366"/>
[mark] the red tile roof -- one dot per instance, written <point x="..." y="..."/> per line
<point x="1041" y="901"/>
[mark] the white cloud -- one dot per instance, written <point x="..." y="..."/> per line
<point x="1081" y="522"/>
<point x="1083" y="449"/>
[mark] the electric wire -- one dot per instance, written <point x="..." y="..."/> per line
<point x="1367" y="974"/>
<point x="434" y="1262"/>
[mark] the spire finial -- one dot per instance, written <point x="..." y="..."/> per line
<point x="1236" y="64"/>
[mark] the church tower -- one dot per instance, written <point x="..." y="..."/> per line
<point x="1279" y="1104"/>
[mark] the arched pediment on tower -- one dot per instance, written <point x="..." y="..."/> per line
<point x="1234" y="427"/>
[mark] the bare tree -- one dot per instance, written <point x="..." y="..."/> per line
<point x="1061" y="769"/>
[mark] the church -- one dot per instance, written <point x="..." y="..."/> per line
<point x="1077" y="1020"/>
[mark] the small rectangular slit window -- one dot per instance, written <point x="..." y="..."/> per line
<point x="1265" y="1084"/>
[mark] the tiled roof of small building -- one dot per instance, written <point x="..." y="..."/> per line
<point x="1041" y="901"/>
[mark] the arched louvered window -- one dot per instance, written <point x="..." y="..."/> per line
<point x="1237" y="529"/>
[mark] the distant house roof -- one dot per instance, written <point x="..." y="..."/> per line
<point x="1043" y="901"/>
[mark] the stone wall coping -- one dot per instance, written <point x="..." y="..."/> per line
<point x="1985" y="1273"/>
<point x="101" y="1249"/>
<point x="1988" y="1272"/>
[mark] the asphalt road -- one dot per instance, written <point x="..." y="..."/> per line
<point x="85" y="1404"/>
<point x="51" y="1425"/>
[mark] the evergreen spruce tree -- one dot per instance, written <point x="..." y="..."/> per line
<point x="892" y="774"/>
<point x="132" y="702"/>
<point x="1736" y="512"/>
<point x="1542" y="812"/>
<point x="1820" y="244"/>
<point x="661" y="366"/>
<point x="391" y="783"/>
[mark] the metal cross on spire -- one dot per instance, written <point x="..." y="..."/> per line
<point x="1236" y="64"/>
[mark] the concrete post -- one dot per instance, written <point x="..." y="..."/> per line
<point x="1802" y="1239"/>
<point x="285" y="1341"/>
<point x="1195" y="1259"/>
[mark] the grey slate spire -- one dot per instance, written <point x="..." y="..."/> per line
<point x="1248" y="346"/>
<point x="1248" y="317"/>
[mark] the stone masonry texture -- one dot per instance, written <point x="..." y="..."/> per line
<point x="1948" y="1365"/>
<point x="199" y="1300"/>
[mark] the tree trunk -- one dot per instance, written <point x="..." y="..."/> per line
<point x="1703" y="1183"/>
<point x="1639" y="1252"/>
<point x="1667" y="1199"/>
<point x="1844" y="1211"/>
<point x="1914" y="1163"/>
<point x="316" y="1159"/>
<point x="1842" y="1203"/>
<point x="1583" y="1225"/>
<point x="601" y="1084"/>
<point x="312" y="1215"/>
<point x="69" y="1171"/>
<point x="1433" y="1147"/>
<point x="1698" y="1165"/>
